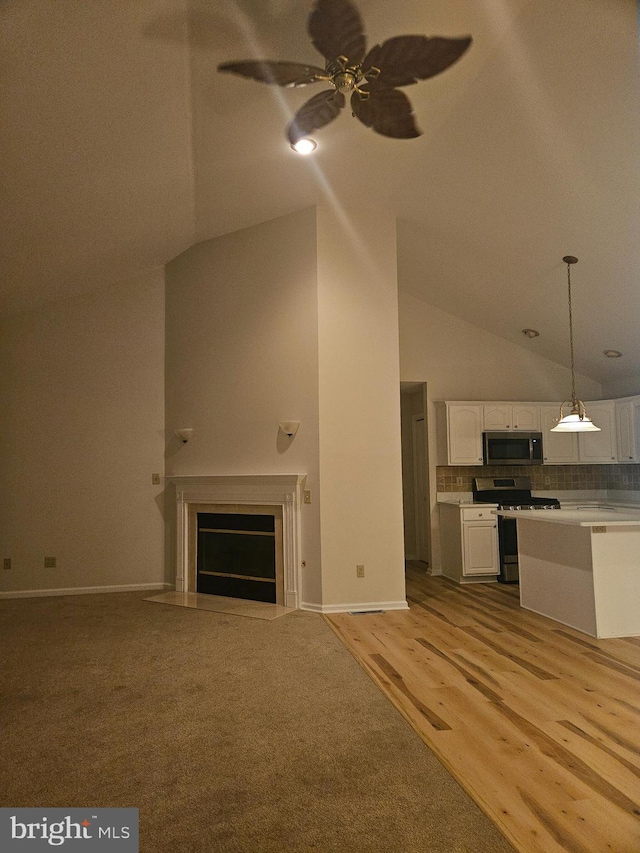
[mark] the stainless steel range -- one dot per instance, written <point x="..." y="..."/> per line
<point x="509" y="493"/>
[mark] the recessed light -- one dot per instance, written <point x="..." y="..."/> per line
<point x="531" y="333"/>
<point x="304" y="146"/>
<point x="612" y="353"/>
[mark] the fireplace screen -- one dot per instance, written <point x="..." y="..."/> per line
<point x="236" y="555"/>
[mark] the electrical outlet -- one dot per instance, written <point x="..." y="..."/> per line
<point x="307" y="496"/>
<point x="7" y="562"/>
<point x="49" y="562"/>
<point x="547" y="481"/>
<point x="458" y="481"/>
<point x="155" y="479"/>
<point x="360" y="571"/>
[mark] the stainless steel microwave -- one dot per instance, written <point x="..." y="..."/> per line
<point x="512" y="448"/>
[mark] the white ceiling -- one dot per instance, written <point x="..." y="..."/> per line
<point x="122" y="146"/>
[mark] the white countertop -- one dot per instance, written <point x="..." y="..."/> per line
<point x="466" y="502"/>
<point x="586" y="516"/>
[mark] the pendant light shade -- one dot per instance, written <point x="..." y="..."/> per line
<point x="576" y="420"/>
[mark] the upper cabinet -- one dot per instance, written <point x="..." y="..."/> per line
<point x="558" y="448"/>
<point x="460" y="428"/>
<point x="599" y="447"/>
<point x="511" y="416"/>
<point x="628" y="429"/>
<point x="459" y="434"/>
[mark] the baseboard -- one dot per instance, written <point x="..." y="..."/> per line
<point x="355" y="608"/>
<point x="84" y="590"/>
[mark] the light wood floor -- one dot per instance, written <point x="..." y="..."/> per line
<point x="539" y="723"/>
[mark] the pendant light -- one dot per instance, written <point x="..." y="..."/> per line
<point x="576" y="420"/>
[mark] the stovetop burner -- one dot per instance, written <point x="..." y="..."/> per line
<point x="546" y="505"/>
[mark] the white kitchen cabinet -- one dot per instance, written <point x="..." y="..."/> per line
<point x="558" y="448"/>
<point x="628" y="429"/>
<point x="599" y="447"/>
<point x="526" y="417"/>
<point x="499" y="417"/>
<point x="479" y="548"/>
<point x="469" y="539"/>
<point x="459" y="434"/>
<point x="461" y="424"/>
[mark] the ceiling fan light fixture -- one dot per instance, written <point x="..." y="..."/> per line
<point x="576" y="420"/>
<point x="370" y="80"/>
<point x="305" y="145"/>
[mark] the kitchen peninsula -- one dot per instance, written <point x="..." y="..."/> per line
<point x="581" y="567"/>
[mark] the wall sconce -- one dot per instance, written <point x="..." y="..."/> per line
<point x="289" y="428"/>
<point x="183" y="434"/>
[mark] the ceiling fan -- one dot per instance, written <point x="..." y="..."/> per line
<point x="372" y="77"/>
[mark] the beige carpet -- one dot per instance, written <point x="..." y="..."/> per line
<point x="222" y="604"/>
<point x="230" y="735"/>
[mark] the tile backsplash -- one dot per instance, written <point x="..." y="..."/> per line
<point x="543" y="477"/>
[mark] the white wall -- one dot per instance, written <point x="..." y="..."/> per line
<point x="360" y="458"/>
<point x="286" y="320"/>
<point x="81" y="386"/>
<point x="242" y="356"/>
<point x="627" y="385"/>
<point x="463" y="362"/>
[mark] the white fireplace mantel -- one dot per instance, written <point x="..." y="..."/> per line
<point x="280" y="490"/>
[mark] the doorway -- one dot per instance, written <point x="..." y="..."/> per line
<point x="415" y="471"/>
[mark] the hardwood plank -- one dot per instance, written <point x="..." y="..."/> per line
<point x="537" y="721"/>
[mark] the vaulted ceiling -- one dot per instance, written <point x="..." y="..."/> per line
<point x="122" y="146"/>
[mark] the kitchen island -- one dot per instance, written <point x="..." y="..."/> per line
<point x="581" y="567"/>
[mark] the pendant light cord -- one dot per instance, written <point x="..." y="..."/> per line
<point x="573" y="374"/>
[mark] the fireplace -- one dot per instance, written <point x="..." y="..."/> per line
<point x="238" y="551"/>
<point x="211" y="513"/>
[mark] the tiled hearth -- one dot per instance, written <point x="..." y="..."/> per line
<point x="544" y="477"/>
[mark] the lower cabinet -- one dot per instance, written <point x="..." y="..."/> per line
<point x="479" y="548"/>
<point x="469" y="542"/>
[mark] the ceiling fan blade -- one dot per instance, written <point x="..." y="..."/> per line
<point x="406" y="59"/>
<point x="315" y="113"/>
<point x="276" y="73"/>
<point x="335" y="28"/>
<point x="387" y="111"/>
